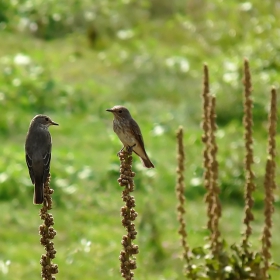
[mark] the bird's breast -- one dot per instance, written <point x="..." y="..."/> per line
<point x="124" y="133"/>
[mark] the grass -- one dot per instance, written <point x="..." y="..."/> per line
<point x="88" y="242"/>
<point x="157" y="74"/>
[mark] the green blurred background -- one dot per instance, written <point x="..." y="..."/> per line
<point x="74" y="59"/>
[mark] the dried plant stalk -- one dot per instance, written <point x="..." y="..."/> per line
<point x="127" y="259"/>
<point x="269" y="182"/>
<point x="47" y="233"/>
<point x="248" y="162"/>
<point x="216" y="210"/>
<point x="210" y="164"/>
<point x="206" y="126"/>
<point x="180" y="188"/>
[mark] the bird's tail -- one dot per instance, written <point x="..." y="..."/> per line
<point x="146" y="162"/>
<point x="38" y="197"/>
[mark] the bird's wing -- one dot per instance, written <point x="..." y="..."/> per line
<point x="138" y="135"/>
<point x="29" y="165"/>
<point x="137" y="132"/>
<point x="47" y="161"/>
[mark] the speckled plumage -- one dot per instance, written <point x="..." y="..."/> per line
<point x="38" y="147"/>
<point x="129" y="133"/>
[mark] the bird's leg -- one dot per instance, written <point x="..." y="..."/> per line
<point x="120" y="150"/>
<point x="130" y="148"/>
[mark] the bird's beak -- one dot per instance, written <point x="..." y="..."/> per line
<point x="110" y="110"/>
<point x="54" y="123"/>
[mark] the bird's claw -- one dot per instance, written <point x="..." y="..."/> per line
<point x="120" y="151"/>
<point x="130" y="148"/>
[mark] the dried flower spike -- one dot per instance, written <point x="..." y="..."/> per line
<point x="269" y="182"/>
<point x="127" y="259"/>
<point x="248" y="162"/>
<point x="47" y="233"/>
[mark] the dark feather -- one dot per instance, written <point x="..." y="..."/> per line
<point x="137" y="133"/>
<point x="29" y="165"/>
<point x="47" y="161"/>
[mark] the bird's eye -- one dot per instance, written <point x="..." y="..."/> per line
<point x="46" y="119"/>
<point x="120" y="111"/>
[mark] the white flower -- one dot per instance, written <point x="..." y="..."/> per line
<point x="21" y="59"/>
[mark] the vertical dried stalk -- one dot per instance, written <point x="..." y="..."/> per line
<point x="269" y="182"/>
<point x="248" y="162"/>
<point x="216" y="206"/>
<point x="210" y="164"/>
<point x="128" y="261"/>
<point x="48" y="233"/>
<point x="206" y="126"/>
<point x="180" y="188"/>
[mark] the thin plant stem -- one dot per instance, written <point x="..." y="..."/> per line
<point x="269" y="183"/>
<point x="127" y="258"/>
<point x="47" y="233"/>
<point x="180" y="189"/>
<point x="248" y="162"/>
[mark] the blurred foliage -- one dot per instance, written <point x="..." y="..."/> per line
<point x="33" y="85"/>
<point x="150" y="54"/>
<point x="230" y="263"/>
<point x="74" y="59"/>
<point x="52" y="19"/>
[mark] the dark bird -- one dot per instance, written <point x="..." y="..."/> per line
<point x="129" y="133"/>
<point x="38" y="147"/>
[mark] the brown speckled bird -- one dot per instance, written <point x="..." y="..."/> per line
<point x="129" y="133"/>
<point x="38" y="147"/>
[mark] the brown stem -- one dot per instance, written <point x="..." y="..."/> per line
<point x="269" y="182"/>
<point x="210" y="164"/>
<point x="127" y="259"/>
<point x="47" y="233"/>
<point x="180" y="189"/>
<point x="206" y="125"/>
<point x="216" y="210"/>
<point x="248" y="162"/>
